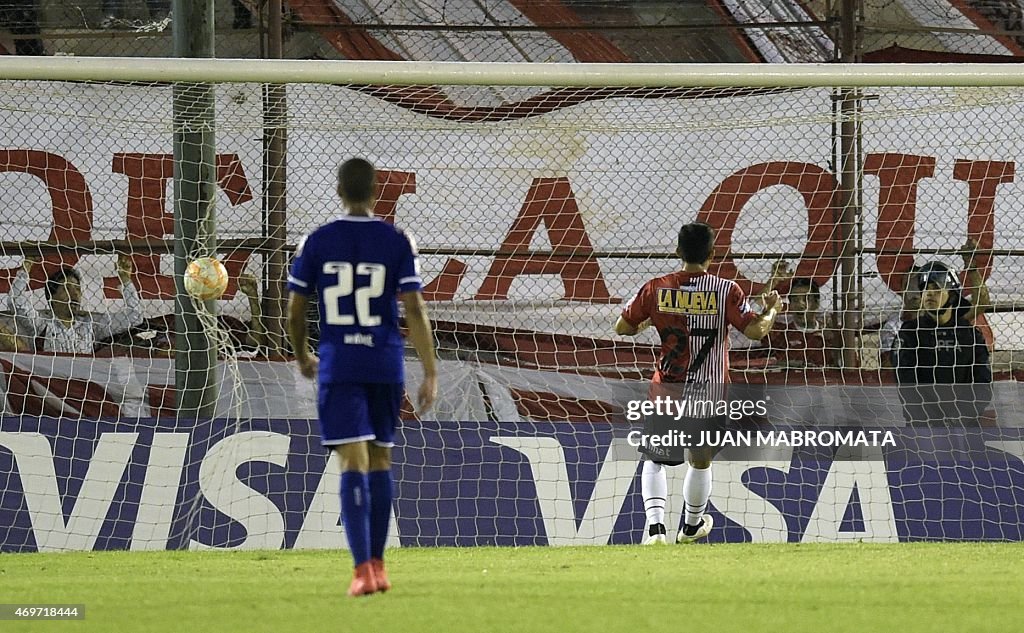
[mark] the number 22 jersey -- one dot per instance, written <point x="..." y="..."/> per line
<point x="358" y="266"/>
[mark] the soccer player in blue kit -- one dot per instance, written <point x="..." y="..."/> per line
<point x="360" y="267"/>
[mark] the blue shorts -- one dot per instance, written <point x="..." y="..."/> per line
<point x="359" y="412"/>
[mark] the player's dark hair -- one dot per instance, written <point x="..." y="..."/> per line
<point x="54" y="281"/>
<point x="357" y="180"/>
<point x="696" y="241"/>
<point x="813" y="287"/>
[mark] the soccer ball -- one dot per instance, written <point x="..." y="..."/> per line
<point x="206" y="278"/>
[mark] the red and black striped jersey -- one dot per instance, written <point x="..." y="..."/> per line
<point x="692" y="312"/>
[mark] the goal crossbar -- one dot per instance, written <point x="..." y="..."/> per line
<point x="409" y="73"/>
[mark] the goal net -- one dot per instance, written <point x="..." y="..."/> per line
<point x="542" y="199"/>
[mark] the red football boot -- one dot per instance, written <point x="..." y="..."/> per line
<point x="363" y="581"/>
<point x="381" y="574"/>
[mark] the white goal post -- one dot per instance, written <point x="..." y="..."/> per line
<point x="410" y="73"/>
<point x="542" y="197"/>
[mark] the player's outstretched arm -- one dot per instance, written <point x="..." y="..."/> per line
<point x="625" y="328"/>
<point x="298" y="333"/>
<point x="759" y="327"/>
<point x="422" y="336"/>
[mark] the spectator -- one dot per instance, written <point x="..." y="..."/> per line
<point x="890" y="330"/>
<point x="801" y="338"/>
<point x="974" y="311"/>
<point x="68" y="329"/>
<point x="942" y="361"/>
<point x="114" y="12"/>
<point x="22" y="18"/>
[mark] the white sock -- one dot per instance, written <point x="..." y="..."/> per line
<point x="696" y="492"/>
<point x="654" y="488"/>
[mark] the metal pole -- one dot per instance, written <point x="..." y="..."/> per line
<point x="275" y="120"/>
<point x="858" y="51"/>
<point x="848" y="199"/>
<point x="195" y="187"/>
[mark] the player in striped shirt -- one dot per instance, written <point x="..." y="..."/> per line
<point x="692" y="311"/>
<point x="360" y="266"/>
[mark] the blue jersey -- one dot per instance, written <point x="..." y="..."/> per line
<point x="358" y="265"/>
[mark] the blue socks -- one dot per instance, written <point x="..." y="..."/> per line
<point x="355" y="514"/>
<point x="381" y="492"/>
<point x="366" y="512"/>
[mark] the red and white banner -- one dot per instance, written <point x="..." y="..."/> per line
<point x="80" y="161"/>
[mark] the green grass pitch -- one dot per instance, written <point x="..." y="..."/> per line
<point x="783" y="588"/>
